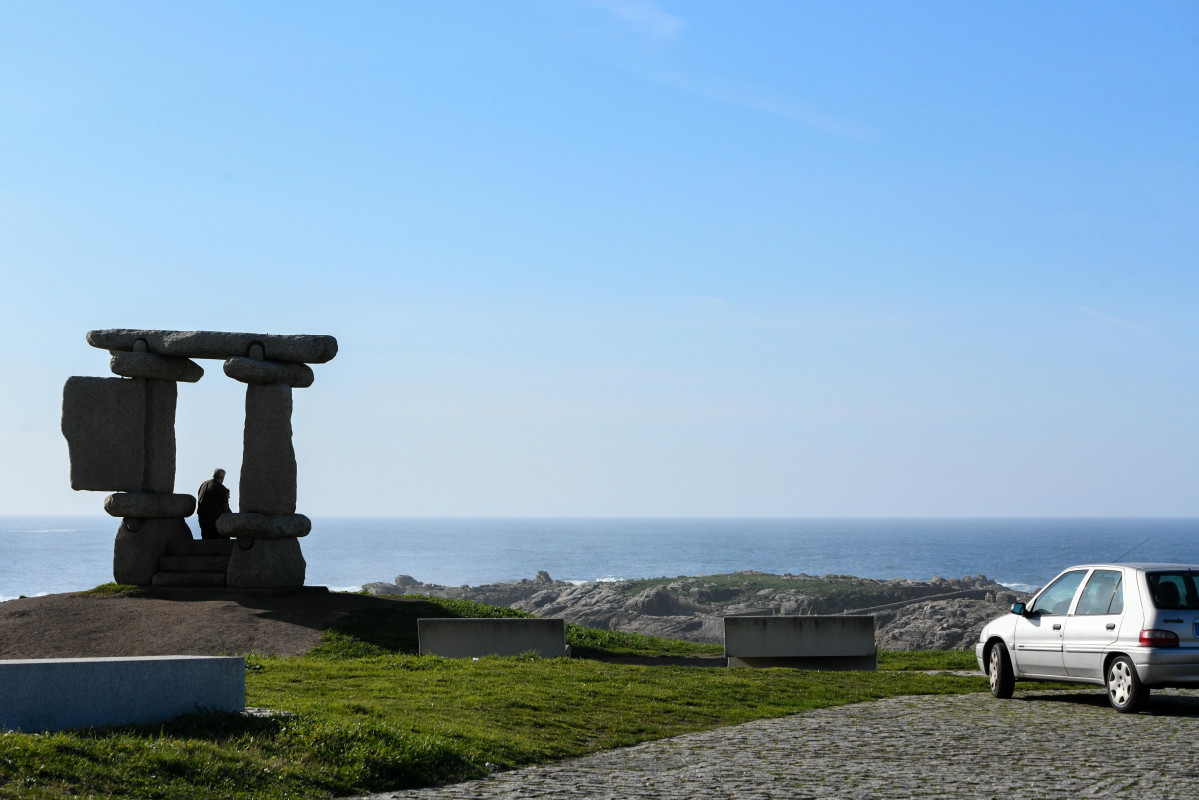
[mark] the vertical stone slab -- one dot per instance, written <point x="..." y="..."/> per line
<point x="104" y="422"/>
<point x="159" y="468"/>
<point x="136" y="552"/>
<point x="268" y="461"/>
<point x="266" y="564"/>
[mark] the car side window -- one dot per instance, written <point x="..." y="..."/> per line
<point x="1102" y="593"/>
<point x="1055" y="598"/>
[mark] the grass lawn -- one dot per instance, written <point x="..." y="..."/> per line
<point x="370" y="716"/>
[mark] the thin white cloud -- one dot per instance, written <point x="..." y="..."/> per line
<point x="1114" y="321"/>
<point x="759" y="98"/>
<point x="644" y="17"/>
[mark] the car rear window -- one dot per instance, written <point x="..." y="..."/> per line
<point x="1174" y="590"/>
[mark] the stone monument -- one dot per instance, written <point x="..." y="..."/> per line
<point x="121" y="436"/>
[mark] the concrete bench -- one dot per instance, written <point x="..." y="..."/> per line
<point x="59" y="693"/>
<point x="477" y="637"/>
<point x="808" y="642"/>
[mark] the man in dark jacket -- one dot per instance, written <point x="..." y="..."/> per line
<point x="211" y="501"/>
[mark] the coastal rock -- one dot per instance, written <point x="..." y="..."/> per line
<point x="909" y="615"/>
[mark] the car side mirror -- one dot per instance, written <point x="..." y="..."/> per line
<point x="1018" y="608"/>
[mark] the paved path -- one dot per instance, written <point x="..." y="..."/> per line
<point x="1037" y="745"/>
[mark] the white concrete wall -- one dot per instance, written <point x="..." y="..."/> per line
<point x="808" y="642"/>
<point x="61" y="693"/>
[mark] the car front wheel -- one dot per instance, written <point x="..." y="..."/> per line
<point x="1003" y="682"/>
<point x="1124" y="689"/>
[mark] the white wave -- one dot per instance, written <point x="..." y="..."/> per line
<point x="1027" y="588"/>
<point x="609" y="579"/>
<point x="345" y="588"/>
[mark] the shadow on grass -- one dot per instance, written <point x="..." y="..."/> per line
<point x="386" y="631"/>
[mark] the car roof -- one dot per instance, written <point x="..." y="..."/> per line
<point x="1143" y="566"/>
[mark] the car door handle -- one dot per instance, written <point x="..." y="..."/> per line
<point x="1111" y="626"/>
<point x="1057" y="626"/>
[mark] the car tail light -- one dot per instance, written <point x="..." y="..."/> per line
<point x="1151" y="637"/>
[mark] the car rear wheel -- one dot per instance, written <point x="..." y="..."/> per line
<point x="1003" y="682"/>
<point x="1124" y="688"/>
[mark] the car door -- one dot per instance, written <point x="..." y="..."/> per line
<point x="1038" y="632"/>
<point x="1094" y="624"/>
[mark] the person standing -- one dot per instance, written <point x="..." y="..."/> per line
<point x="211" y="501"/>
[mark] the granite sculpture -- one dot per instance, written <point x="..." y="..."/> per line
<point x="121" y="436"/>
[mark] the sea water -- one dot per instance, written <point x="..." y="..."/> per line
<point x="43" y="555"/>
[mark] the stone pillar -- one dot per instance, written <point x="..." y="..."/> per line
<point x="266" y="526"/>
<point x="153" y="516"/>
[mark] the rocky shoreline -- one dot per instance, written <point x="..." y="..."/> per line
<point x="941" y="614"/>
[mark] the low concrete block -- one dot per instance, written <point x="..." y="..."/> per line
<point x="804" y="642"/>
<point x="61" y="693"/>
<point x="475" y="638"/>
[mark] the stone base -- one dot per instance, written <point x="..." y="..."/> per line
<point x="136" y="552"/>
<point x="265" y="564"/>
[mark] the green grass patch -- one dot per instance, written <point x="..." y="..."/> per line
<point x="387" y="722"/>
<point x="927" y="659"/>
<point x="368" y="715"/>
<point x="388" y="631"/>
<point x="112" y="589"/>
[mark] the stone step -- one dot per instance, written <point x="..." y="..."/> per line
<point x="218" y="563"/>
<point x="200" y="547"/>
<point x="192" y="580"/>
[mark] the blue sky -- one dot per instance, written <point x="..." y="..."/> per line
<point x="625" y="258"/>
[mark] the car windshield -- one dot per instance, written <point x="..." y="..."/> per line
<point x="1173" y="590"/>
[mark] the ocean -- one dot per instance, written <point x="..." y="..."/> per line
<point x="46" y="555"/>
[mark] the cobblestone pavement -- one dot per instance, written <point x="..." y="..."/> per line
<point x="1037" y="745"/>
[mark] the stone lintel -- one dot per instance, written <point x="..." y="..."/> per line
<point x="247" y="370"/>
<point x="149" y="505"/>
<point x="162" y="368"/>
<point x="263" y="526"/>
<point x="303" y="348"/>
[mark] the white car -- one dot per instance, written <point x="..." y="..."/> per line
<point x="1129" y="627"/>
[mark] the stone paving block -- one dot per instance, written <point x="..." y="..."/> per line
<point x="1042" y="744"/>
<point x="268" y="469"/>
<point x="103" y="420"/>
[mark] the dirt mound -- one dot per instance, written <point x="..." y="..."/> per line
<point x="177" y="622"/>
